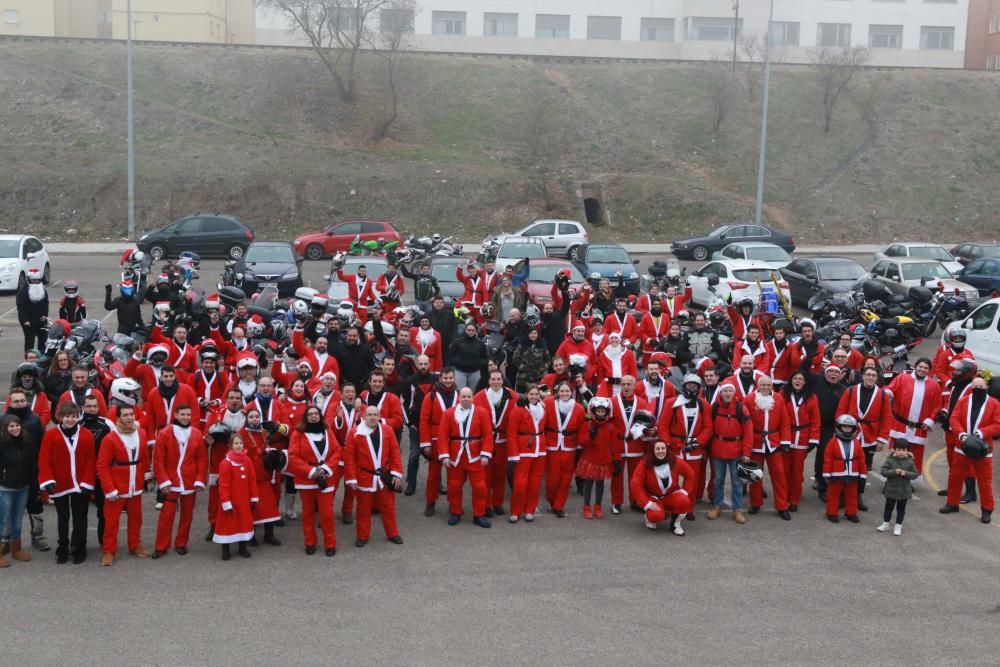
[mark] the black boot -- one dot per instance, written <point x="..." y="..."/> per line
<point x="970" y="491"/>
<point x="225" y="552"/>
<point x="943" y="492"/>
<point x="244" y="552"/>
<point x="861" y="503"/>
<point x="211" y="534"/>
<point x="269" y="537"/>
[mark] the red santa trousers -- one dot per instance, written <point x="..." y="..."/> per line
<point x="527" y="485"/>
<point x="496" y="475"/>
<point x="112" y="519"/>
<point x="476" y="474"/>
<point x="385" y="500"/>
<point x="559" y="467"/>
<point x="312" y="502"/>
<point x="849" y="489"/>
<point x="795" y="462"/>
<point x="677" y="502"/>
<point x="962" y="467"/>
<point x="775" y="462"/>
<point x="165" y="524"/>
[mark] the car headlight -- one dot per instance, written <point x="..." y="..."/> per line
<point x="595" y="276"/>
<point x="291" y="273"/>
<point x="633" y="276"/>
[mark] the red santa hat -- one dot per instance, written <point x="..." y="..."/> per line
<point x="153" y="349"/>
<point x="246" y="359"/>
<point x="327" y="374"/>
<point x="660" y="359"/>
<point x="614" y="334"/>
<point x="303" y="363"/>
<point x="577" y="324"/>
<point x="212" y="302"/>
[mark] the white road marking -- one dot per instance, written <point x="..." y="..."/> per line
<point x="3" y="318"/>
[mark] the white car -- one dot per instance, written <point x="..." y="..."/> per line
<point x="515" y="248"/>
<point x="337" y="290"/>
<point x="768" y="253"/>
<point x="737" y="278"/>
<point x="18" y="255"/>
<point x="921" y="251"/>
<point x="983" y="325"/>
<point x="561" y="237"/>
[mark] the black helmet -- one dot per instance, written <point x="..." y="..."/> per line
<point x="963" y="369"/>
<point x="220" y="432"/>
<point x="975" y="447"/>
<point x="745" y="301"/>
<point x="749" y="471"/>
<point x="846" y="427"/>
<point x="645" y="420"/>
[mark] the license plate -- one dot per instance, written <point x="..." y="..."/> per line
<point x="266" y="285"/>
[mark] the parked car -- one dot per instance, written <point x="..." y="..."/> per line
<point x="515" y="248"/>
<point x="737" y="278"/>
<point x="772" y="255"/>
<point x="443" y="268"/>
<point x="970" y="252"/>
<point x="19" y="254"/>
<point x="608" y="260"/>
<point x="317" y="245"/>
<point x="899" y="275"/>
<point x="807" y="276"/>
<point x="983" y="325"/>
<point x="983" y="274"/>
<point x="701" y="248"/>
<point x="542" y="274"/>
<point x="270" y="264"/>
<point x="921" y="251"/>
<point x="337" y="290"/>
<point x="561" y="237"/>
<point x="208" y="234"/>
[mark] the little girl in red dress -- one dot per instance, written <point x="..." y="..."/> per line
<point x="237" y="499"/>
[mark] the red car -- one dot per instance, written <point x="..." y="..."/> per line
<point x="317" y="245"/>
<point x="543" y="274"/>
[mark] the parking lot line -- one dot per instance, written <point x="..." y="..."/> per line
<point x="930" y="481"/>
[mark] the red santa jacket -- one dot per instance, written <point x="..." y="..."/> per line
<point x="563" y="427"/>
<point x="471" y="284"/>
<point x="229" y="350"/>
<point x="465" y="440"/>
<point x="487" y="284"/>
<point x="658" y="398"/>
<point x="673" y="307"/>
<point x="652" y="329"/>
<point x="68" y="462"/>
<point x="257" y="445"/>
<point x="985" y="422"/>
<point x="68" y="397"/>
<point x="390" y="409"/>
<point x="432" y="348"/>
<point x="782" y="361"/>
<point x="646" y="486"/>
<point x="345" y="419"/>
<point x="680" y="425"/>
<point x="572" y="352"/>
<point x="799" y="355"/>
<point x="941" y="368"/>
<point x="383" y="284"/>
<point x="629" y="445"/>
<point x="304" y="457"/>
<point x="741" y="391"/>
<point x="498" y="411"/>
<point x="294" y="407"/>
<point x="39" y="404"/>
<point x="180" y="467"/>
<point x="644" y="303"/>
<point x="432" y="410"/>
<point x="844" y="461"/>
<point x="161" y="410"/>
<point x="210" y="389"/>
<point x="526" y="438"/>
<point x="914" y="406"/>
<point x="577" y="303"/>
<point x="217" y="451"/>
<point x="612" y="367"/>
<point x="732" y="430"/>
<point x="760" y="354"/>
<point x="803" y="419"/>
<point x="361" y="460"/>
<point x="275" y="411"/>
<point x="120" y="468"/>
<point x="770" y="427"/>
<point x="319" y="364"/>
<point x="601" y="443"/>
<point x="327" y="404"/>
<point x="623" y="324"/>
<point x="182" y="357"/>
<point x="360" y="290"/>
<point x="741" y="323"/>
<point x="875" y="420"/>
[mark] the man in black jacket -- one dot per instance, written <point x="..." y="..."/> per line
<point x="415" y="388"/>
<point x="468" y="356"/>
<point x="32" y="302"/>
<point x="128" y="307"/>
<point x="554" y="323"/>
<point x="98" y="427"/>
<point x="443" y="321"/>
<point x="828" y="390"/>
<point x="354" y="358"/>
<point x="33" y="430"/>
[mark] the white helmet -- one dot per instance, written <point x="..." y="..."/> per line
<point x="138" y="256"/>
<point x="436" y="238"/>
<point x="387" y="329"/>
<point x="125" y="391"/>
<point x="300" y="308"/>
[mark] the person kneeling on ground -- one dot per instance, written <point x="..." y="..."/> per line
<point x="658" y="488"/>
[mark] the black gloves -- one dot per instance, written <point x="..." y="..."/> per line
<point x="510" y="473"/>
<point x="270" y="426"/>
<point x="49" y="488"/>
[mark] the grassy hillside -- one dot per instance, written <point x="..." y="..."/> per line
<point x="260" y="134"/>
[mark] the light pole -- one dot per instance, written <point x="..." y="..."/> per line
<point x="736" y="31"/>
<point x="131" y="134"/>
<point x="763" y="121"/>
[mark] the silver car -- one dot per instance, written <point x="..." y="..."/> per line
<point x="899" y="275"/>
<point x="561" y="237"/>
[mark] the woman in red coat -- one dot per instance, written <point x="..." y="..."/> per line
<point x="313" y="456"/>
<point x="601" y="456"/>
<point x="237" y="498"/>
<point x="802" y="407"/>
<point x="656" y="486"/>
<point x="564" y="422"/>
<point x="259" y="449"/>
<point x="526" y="449"/>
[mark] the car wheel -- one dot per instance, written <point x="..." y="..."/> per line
<point x="314" y="251"/>
<point x="157" y="252"/>
<point x="21" y="280"/>
<point x="46" y="274"/>
<point x="571" y="251"/>
<point x="235" y="251"/>
<point x="700" y="253"/>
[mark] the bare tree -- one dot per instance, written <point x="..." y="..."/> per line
<point x="337" y="30"/>
<point x="394" y="40"/>
<point x="834" y="70"/>
<point x="720" y="86"/>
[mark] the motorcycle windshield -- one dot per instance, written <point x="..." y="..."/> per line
<point x="817" y="302"/>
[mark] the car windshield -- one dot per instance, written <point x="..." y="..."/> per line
<point x="8" y="249"/>
<point x="547" y="273"/>
<point x="270" y="253"/>
<point x="918" y="271"/>
<point x="521" y="250"/>
<point x="444" y="272"/>
<point x="768" y="254"/>
<point x="931" y="252"/>
<point x="718" y="232"/>
<point x="608" y="256"/>
<point x="988" y="251"/>
<point x="749" y="275"/>
<point x="841" y="271"/>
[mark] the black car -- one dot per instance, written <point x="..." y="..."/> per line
<point x="965" y="253"/>
<point x="607" y="260"/>
<point x="701" y="247"/>
<point x="270" y="264"/>
<point x="208" y="234"/>
<point x="807" y="276"/>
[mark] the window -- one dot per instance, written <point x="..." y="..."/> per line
<point x="552" y="26"/>
<point x="892" y="272"/>
<point x="893" y="251"/>
<point x="542" y="229"/>
<point x="372" y="228"/>
<point x="396" y="20"/>
<point x="993" y="61"/>
<point x="879" y="269"/>
<point x="937" y="38"/>
<point x="994" y="24"/>
<point x="785" y="33"/>
<point x="885" y="36"/>
<point x="982" y="318"/>
<point x="189" y="226"/>
<point x="657" y="30"/>
<point x="11" y="16"/>
<point x="567" y="229"/>
<point x="218" y="225"/>
<point x="347" y="228"/>
<point x="756" y="231"/>
<point x="500" y="25"/>
<point x="809" y="270"/>
<point x="713" y="29"/>
<point x="604" y="27"/>
<point x="448" y="23"/>
<point x="834" y="34"/>
<point x="346" y="20"/>
<point x="735" y="232"/>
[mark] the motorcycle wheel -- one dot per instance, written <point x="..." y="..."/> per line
<point x="931" y="327"/>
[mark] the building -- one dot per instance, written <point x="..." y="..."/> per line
<point x="982" y="48"/>
<point x="209" y="21"/>
<point x="919" y="33"/>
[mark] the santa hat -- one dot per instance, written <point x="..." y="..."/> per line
<point x="660" y="359"/>
<point x="303" y="363"/>
<point x="246" y="359"/>
<point x="153" y="349"/>
<point x="327" y="374"/>
<point x="806" y="322"/>
<point x="212" y="302"/>
<point x="578" y="325"/>
<point x="613" y="335"/>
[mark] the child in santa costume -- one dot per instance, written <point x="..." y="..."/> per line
<point x="237" y="499"/>
<point x="268" y="465"/>
<point x="600" y="458"/>
<point x="844" y="468"/>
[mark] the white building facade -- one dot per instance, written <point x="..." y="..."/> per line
<point x="915" y="33"/>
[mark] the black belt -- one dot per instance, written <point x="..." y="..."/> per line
<point x="908" y="423"/>
<point x="801" y="428"/>
<point x="613" y="380"/>
<point x="763" y="432"/>
<point x="727" y="438"/>
<point x="124" y="463"/>
<point x="531" y="435"/>
<point x="458" y="437"/>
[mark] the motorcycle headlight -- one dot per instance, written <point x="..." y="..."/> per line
<point x="239" y="276"/>
<point x="595" y="276"/>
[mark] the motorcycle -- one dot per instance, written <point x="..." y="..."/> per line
<point x="379" y="247"/>
<point x="945" y="309"/>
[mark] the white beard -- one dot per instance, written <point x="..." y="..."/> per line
<point x="36" y="292"/>
<point x="763" y="402"/>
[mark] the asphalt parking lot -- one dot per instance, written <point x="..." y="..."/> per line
<point x="558" y="591"/>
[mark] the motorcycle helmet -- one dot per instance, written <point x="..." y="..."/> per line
<point x="138" y="257"/>
<point x="600" y="409"/>
<point x="255" y="327"/>
<point x="127" y="288"/>
<point x="691" y="386"/>
<point x="846" y="427"/>
<point x="683" y="318"/>
<point x="221" y="433"/>
<point x="125" y="391"/>
<point x="957" y="338"/>
<point x="27" y="369"/>
<point x="716" y="319"/>
<point x="337" y="262"/>
<point x="391" y="294"/>
<point x="858" y="331"/>
<point x="463" y="315"/>
<point x="157" y="355"/>
<point x="750" y="472"/>
<point x="644" y="423"/>
<point x="436" y="238"/>
<point x="161" y="311"/>
<point x="487" y="310"/>
<point x="299" y="309"/>
<point x="532" y="316"/>
<point x="963" y="370"/>
<point x="744" y="302"/>
<point x="71" y="288"/>
<point x="975" y="447"/>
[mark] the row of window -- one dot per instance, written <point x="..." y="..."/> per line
<point x="785" y="33"/>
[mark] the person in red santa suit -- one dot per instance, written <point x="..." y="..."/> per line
<point x="645" y="301"/>
<point x="962" y="374"/>
<point x="180" y="468"/>
<point x="624" y="408"/>
<point x="804" y="427"/>
<point x="780" y="354"/>
<point x="209" y="384"/>
<point x="328" y="398"/>
<point x="600" y="458"/>
<point x="653" y="389"/>
<point x="269" y="464"/>
<point x="375" y="473"/>
<point x="871" y="406"/>
<point x="771" y="440"/>
<point x="916" y="401"/>
<point x="67" y="472"/>
<point x="318" y="356"/>
<point x="181" y="354"/>
<point x="621" y="321"/>
<point x="565" y="420"/>
<point x="686" y="426"/>
<point x="976" y="421"/>
<point x="753" y="346"/>
<point x="673" y="303"/>
<point x="238" y="496"/>
<point x="741" y="316"/>
<point x="301" y="370"/>
<point x="80" y="389"/>
<point x="808" y="351"/>
<point x="145" y="368"/>
<point x="313" y="455"/>
<point x="464" y="448"/>
<point x="427" y="341"/>
<point x="389" y="407"/>
<point x="576" y="348"/>
<point x="952" y="350"/>
<point x="745" y="380"/>
<point x="844" y="468"/>
<point x="614" y="363"/>
<point x="655" y="325"/>
<point x="231" y="415"/>
<point x="497" y="401"/>
<point x="436" y="402"/>
<point x="657" y="487"/>
<point x="349" y="414"/>
<point x="121" y="466"/>
<point x="389" y="288"/>
<point x="169" y="393"/>
<point x="526" y="454"/>
<point x="360" y="288"/>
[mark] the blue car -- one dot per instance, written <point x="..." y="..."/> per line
<point x="983" y="274"/>
<point x="608" y="260"/>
